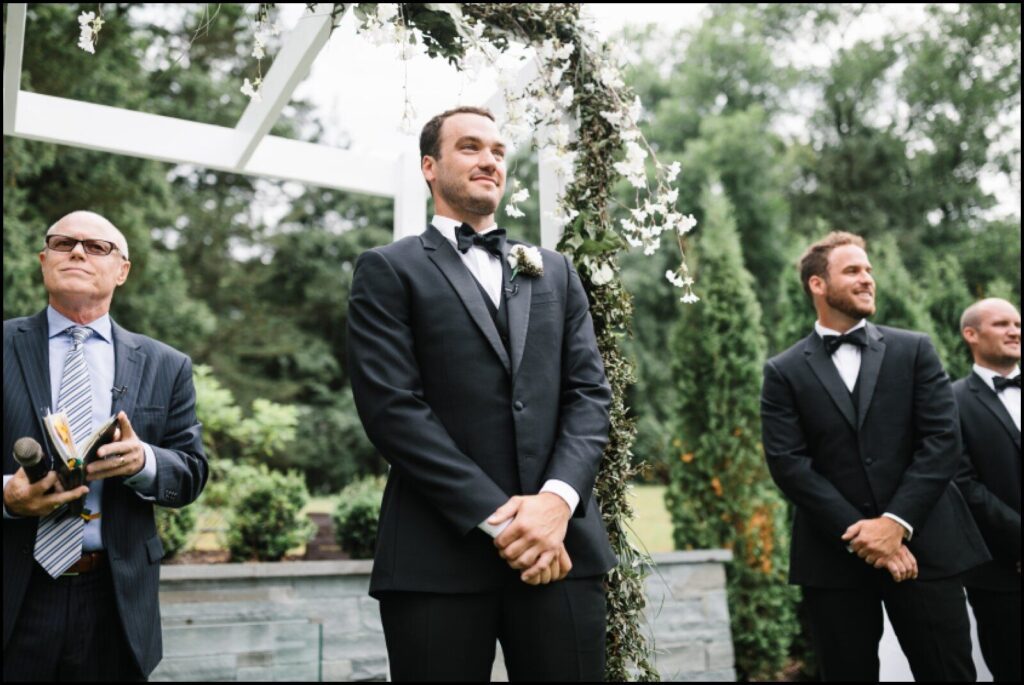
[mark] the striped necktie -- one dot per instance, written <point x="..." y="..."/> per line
<point x="60" y="533"/>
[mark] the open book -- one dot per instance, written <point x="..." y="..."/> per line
<point x="69" y="460"/>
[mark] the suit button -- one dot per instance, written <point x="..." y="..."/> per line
<point x="868" y="461"/>
<point x="518" y="405"/>
<point x="866" y="506"/>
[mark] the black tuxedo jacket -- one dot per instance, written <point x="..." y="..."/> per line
<point x="895" y="449"/>
<point x="160" y="403"/>
<point x="466" y="423"/>
<point x="989" y="478"/>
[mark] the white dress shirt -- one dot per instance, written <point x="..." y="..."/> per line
<point x="847" y="361"/>
<point x="1010" y="397"/>
<point x="487" y="270"/>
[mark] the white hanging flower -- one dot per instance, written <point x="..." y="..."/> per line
<point x="252" y="90"/>
<point x="633" y="167"/>
<point x="566" y="96"/>
<point x="613" y="118"/>
<point x="521" y="195"/>
<point x="685" y="224"/>
<point x="689" y="298"/>
<point x="257" y="48"/>
<point x="673" y="171"/>
<point x="610" y="76"/>
<point x="562" y="216"/>
<point x="386" y="11"/>
<point x="518" y="195"/>
<point x="89" y="26"/>
<point x="636" y="110"/>
<point x="603" y="275"/>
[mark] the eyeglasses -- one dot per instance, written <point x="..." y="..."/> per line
<point x="93" y="246"/>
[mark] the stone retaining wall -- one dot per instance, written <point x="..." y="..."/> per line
<point x="312" y="620"/>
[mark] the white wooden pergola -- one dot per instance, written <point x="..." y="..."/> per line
<point x="247" y="148"/>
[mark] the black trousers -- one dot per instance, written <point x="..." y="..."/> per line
<point x="998" y="617"/>
<point x="929" y="617"/>
<point x="553" y="632"/>
<point x="68" y="630"/>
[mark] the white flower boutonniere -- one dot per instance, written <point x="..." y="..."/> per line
<point x="525" y="260"/>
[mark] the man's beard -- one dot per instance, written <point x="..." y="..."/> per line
<point x="456" y="196"/>
<point x="846" y="304"/>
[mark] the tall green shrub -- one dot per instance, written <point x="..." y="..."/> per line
<point x="720" y="494"/>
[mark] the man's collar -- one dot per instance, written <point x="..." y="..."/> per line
<point x="447" y="226"/>
<point x="57" y="323"/>
<point x="988" y="374"/>
<point x="822" y="331"/>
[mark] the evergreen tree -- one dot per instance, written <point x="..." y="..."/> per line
<point x="947" y="297"/>
<point x="901" y="300"/>
<point x="720" y="494"/>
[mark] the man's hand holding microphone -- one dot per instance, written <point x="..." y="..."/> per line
<point x="34" y="490"/>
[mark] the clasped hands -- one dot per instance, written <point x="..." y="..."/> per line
<point x="534" y="542"/>
<point x="879" y="542"/>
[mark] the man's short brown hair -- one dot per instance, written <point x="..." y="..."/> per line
<point x="814" y="261"/>
<point x="430" y="136"/>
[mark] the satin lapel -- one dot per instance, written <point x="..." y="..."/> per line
<point x="518" y="297"/>
<point x="129" y="361"/>
<point x="447" y="260"/>
<point x="870" y="364"/>
<point x="32" y="345"/>
<point x="827" y="373"/>
<point x="991" y="401"/>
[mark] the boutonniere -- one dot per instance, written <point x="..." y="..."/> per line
<point x="525" y="260"/>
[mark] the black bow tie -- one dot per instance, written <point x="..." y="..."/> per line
<point x="1002" y="383"/>
<point x="492" y="241"/>
<point x="858" y="337"/>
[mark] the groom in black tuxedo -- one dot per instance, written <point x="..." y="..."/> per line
<point x="860" y="432"/>
<point x="989" y="402"/>
<point x="482" y="385"/>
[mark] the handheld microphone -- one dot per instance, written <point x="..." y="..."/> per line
<point x="29" y="455"/>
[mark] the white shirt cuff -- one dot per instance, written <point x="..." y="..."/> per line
<point x="6" y="515"/>
<point x="557" y="487"/>
<point x="144" y="482"/>
<point x="565" y="491"/>
<point x="908" y="530"/>
<point x="495" y="530"/>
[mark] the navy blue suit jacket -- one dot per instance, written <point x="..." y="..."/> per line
<point x="160" y="403"/>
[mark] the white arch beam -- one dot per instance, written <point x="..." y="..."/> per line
<point x="291" y="66"/>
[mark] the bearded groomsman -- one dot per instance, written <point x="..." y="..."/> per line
<point x="989" y="402"/>
<point x="860" y="433"/>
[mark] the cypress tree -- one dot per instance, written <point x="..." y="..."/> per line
<point x="720" y="493"/>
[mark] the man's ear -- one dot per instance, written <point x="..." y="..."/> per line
<point x="817" y="285"/>
<point x="122" y="275"/>
<point x="970" y="335"/>
<point x="427" y="167"/>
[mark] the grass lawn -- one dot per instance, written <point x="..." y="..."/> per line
<point x="651" y="527"/>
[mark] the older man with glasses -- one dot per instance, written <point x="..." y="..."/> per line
<point x="81" y="590"/>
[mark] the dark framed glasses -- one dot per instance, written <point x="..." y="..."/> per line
<point x="93" y="246"/>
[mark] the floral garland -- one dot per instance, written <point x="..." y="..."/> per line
<point x="578" y="78"/>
